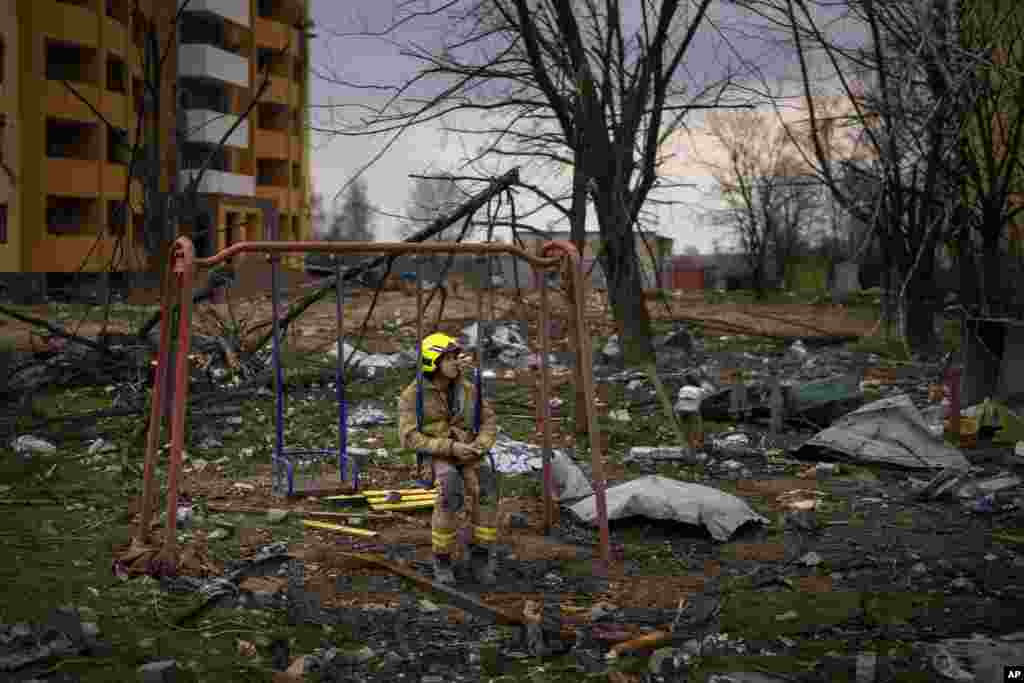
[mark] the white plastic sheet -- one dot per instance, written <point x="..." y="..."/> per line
<point x="657" y="497"/>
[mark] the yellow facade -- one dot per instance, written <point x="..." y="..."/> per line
<point x="63" y="180"/>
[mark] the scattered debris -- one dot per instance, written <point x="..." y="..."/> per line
<point x="956" y="659"/>
<point x="653" y="454"/>
<point x="943" y="483"/>
<point x="890" y="432"/>
<point x="28" y="444"/>
<point x="659" y="497"/>
<point x="164" y="671"/>
<point x="276" y="516"/>
<point x="801" y="499"/>
<point x="688" y="399"/>
<point x="365" y="416"/>
<point x="811" y="559"/>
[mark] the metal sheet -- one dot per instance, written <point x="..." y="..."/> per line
<point x="887" y="432"/>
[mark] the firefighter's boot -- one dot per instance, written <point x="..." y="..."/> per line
<point x="484" y="562"/>
<point x="443" y="573"/>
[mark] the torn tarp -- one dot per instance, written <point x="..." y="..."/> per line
<point x="659" y="497"/>
<point x="886" y="432"/>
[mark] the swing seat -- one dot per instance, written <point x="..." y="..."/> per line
<point x="317" y="487"/>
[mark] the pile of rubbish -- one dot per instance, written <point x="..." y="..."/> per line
<point x="68" y="631"/>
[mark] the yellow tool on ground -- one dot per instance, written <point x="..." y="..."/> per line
<point x="359" y="497"/>
<point x="410" y="505"/>
<point x="366" y="533"/>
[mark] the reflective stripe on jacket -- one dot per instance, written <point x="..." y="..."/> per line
<point x="447" y="417"/>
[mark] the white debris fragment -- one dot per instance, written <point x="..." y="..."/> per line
<point x="32" y="444"/>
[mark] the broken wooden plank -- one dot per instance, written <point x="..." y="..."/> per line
<point x="365" y="533"/>
<point x="221" y="509"/>
<point x="461" y="600"/>
<point x="651" y="641"/>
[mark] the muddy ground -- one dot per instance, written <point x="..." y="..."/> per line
<point x="890" y="573"/>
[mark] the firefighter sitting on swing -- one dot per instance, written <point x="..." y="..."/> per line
<point x="444" y="418"/>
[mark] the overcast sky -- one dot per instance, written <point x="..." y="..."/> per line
<point x="427" y="149"/>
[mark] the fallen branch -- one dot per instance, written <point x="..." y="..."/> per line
<point x="58" y="331"/>
<point x="439" y="225"/>
<point x="462" y="600"/>
<point x="750" y="332"/>
<point x="651" y="641"/>
<point x="217" y="279"/>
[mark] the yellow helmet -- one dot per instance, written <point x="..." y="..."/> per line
<point x="435" y="346"/>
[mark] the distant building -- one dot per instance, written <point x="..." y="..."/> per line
<point x="64" y="174"/>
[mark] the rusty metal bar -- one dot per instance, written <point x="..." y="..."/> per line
<point x="387" y="248"/>
<point x="585" y="358"/>
<point x="156" y="409"/>
<point x="544" y="404"/>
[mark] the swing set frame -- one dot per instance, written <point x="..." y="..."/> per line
<point x="180" y="276"/>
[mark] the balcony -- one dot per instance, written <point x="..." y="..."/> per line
<point x="208" y="126"/>
<point x="221" y="182"/>
<point x="59" y="101"/>
<point x="275" y="35"/>
<point x="71" y="216"/>
<point x="65" y="21"/>
<point x="271" y="144"/>
<point x="197" y="60"/>
<point x="280" y="90"/>
<point x="235" y="11"/>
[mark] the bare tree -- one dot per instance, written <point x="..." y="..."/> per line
<point x="569" y="83"/>
<point x="317" y="214"/>
<point x="355" y="221"/>
<point x="432" y="197"/>
<point x="992" y="35"/>
<point x="903" y="91"/>
<point x="768" y="202"/>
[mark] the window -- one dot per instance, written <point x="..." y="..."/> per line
<point x="273" y="172"/>
<point x="199" y="28"/>
<point x="117" y="217"/>
<point x="271" y="116"/>
<point x="119" y="150"/>
<point x="117" y="75"/>
<point x="119" y="10"/>
<point x="194" y="155"/>
<point x="138" y="94"/>
<point x="69" y="62"/>
<point x="200" y="94"/>
<point x="269" y="60"/>
<point x="70" y="140"/>
<point x="3" y="224"/>
<point x="69" y="215"/>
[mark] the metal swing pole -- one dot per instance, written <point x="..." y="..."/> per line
<point x="279" y="456"/>
<point x="419" y="360"/>
<point x="544" y="409"/>
<point x="339" y="380"/>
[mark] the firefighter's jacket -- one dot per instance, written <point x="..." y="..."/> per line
<point x="447" y="418"/>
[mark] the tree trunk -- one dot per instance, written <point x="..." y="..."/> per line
<point x="921" y="305"/>
<point x="625" y="291"/>
<point x="993" y="274"/>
